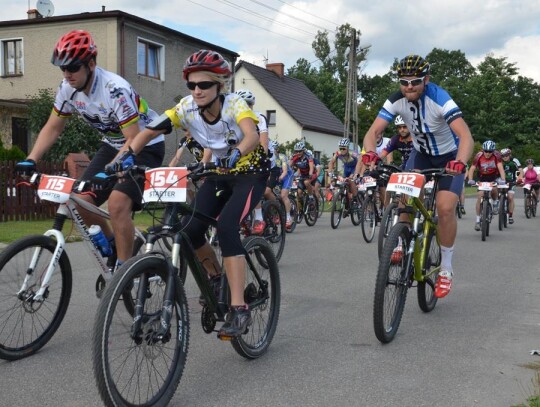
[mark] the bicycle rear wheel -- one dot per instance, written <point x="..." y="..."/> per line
<point x="369" y="219"/>
<point x="386" y="225"/>
<point x="337" y="210"/>
<point x="139" y="369"/>
<point x="392" y="284"/>
<point x="27" y="325"/>
<point x="263" y="295"/>
<point x="426" y="288"/>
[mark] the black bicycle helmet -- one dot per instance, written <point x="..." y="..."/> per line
<point x="413" y="65"/>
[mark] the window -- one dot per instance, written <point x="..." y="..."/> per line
<point x="19" y="131"/>
<point x="150" y="59"/>
<point x="271" y="116"/>
<point x="12" y="57"/>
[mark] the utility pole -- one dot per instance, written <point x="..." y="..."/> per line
<point x="351" y="108"/>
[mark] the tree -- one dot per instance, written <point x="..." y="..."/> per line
<point x="77" y="135"/>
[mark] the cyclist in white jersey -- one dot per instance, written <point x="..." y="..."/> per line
<point x="108" y="103"/>
<point x="441" y="138"/>
<point x="226" y="127"/>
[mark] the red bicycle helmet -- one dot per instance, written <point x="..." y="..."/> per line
<point x="206" y="60"/>
<point x="75" y="47"/>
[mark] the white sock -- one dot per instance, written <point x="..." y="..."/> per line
<point x="477" y="219"/>
<point x="258" y="214"/>
<point x="446" y="257"/>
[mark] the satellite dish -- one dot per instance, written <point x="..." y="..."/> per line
<point x="45" y="8"/>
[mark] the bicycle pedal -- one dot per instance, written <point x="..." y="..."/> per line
<point x="225" y="337"/>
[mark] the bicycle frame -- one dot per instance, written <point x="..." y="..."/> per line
<point x="66" y="210"/>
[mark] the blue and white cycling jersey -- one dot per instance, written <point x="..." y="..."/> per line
<point x="428" y="119"/>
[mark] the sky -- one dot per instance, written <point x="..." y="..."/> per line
<point x="282" y="30"/>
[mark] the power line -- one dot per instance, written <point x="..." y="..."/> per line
<point x="247" y="22"/>
<point x="289" y="15"/>
<point x="233" y="5"/>
<point x="307" y="12"/>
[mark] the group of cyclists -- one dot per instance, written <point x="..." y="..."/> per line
<point x="222" y="128"/>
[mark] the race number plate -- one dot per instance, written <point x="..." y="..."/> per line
<point x="55" y="188"/>
<point x="369" y="182"/>
<point x="485" y="186"/>
<point x="407" y="183"/>
<point x="165" y="184"/>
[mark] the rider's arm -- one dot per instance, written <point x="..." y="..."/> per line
<point x="466" y="142"/>
<point x="47" y="136"/>
<point x="311" y="168"/>
<point x="142" y="138"/>
<point x="389" y="157"/>
<point x="377" y="128"/>
<point x="501" y="171"/>
<point x="251" y="138"/>
<point x="331" y="164"/>
<point x="177" y="156"/>
<point x="472" y="169"/>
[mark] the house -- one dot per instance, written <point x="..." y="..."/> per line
<point x="148" y="55"/>
<point x="292" y="110"/>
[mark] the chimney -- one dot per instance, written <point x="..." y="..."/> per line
<point x="278" y="68"/>
<point x="33" y="13"/>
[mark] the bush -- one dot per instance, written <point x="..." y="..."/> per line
<point x="12" y="154"/>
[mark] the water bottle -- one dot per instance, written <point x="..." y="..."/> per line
<point x="100" y="240"/>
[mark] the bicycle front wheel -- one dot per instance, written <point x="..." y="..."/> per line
<point x="386" y="225"/>
<point x="432" y="260"/>
<point x="337" y="210"/>
<point x="263" y="295"/>
<point x="484" y="211"/>
<point x="311" y="211"/>
<point x="392" y="284"/>
<point x="27" y="323"/>
<point x="369" y="220"/>
<point x="293" y="213"/>
<point x="502" y="211"/>
<point x="274" y="231"/>
<point x="136" y="368"/>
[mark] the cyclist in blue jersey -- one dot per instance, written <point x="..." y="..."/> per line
<point x="441" y="138"/>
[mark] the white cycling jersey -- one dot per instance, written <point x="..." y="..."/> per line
<point x="111" y="105"/>
<point x="427" y="119"/>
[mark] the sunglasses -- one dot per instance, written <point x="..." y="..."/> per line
<point x="205" y="85"/>
<point x="343" y="149"/>
<point x="413" y="82"/>
<point x="71" y="68"/>
<point x="402" y="127"/>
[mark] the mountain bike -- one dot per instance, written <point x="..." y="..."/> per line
<point x="390" y="215"/>
<point x="138" y="360"/>
<point x="343" y="205"/>
<point x="486" y="208"/>
<point x="307" y="204"/>
<point x="411" y="255"/>
<point x="370" y="207"/>
<point x="530" y="201"/>
<point x="36" y="273"/>
<point x="503" y="205"/>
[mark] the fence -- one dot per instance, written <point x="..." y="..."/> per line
<point x="21" y="202"/>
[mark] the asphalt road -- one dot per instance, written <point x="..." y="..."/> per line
<point x="469" y="351"/>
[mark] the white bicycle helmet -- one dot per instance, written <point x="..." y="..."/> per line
<point x="274" y="144"/>
<point x="399" y="121"/>
<point x="488" y="146"/>
<point x="506" y="151"/>
<point x="247" y="95"/>
<point x="300" y="146"/>
<point x="344" y="142"/>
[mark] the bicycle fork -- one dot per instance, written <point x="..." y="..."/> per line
<point x="41" y="294"/>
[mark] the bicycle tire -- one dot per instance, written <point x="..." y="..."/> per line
<point x="369" y="220"/>
<point x="426" y="289"/>
<point x="356" y="211"/>
<point x="293" y="214"/>
<point x="528" y="206"/>
<point x="25" y="325"/>
<point x="458" y="211"/>
<point x="502" y="211"/>
<point x="484" y="219"/>
<point x="533" y="207"/>
<point x="391" y="286"/>
<point x="131" y="372"/>
<point x="311" y="211"/>
<point x="264" y="302"/>
<point x="320" y="204"/>
<point x="274" y="231"/>
<point x="386" y="225"/>
<point x="337" y="210"/>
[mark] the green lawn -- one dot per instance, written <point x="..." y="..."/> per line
<point x="11" y="231"/>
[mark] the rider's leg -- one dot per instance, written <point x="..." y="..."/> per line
<point x="446" y="210"/>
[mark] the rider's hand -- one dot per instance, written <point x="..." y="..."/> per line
<point x="125" y="161"/>
<point x="370" y="157"/>
<point x="313" y="177"/>
<point x="471" y="182"/>
<point x="501" y="182"/>
<point x="101" y="181"/>
<point x="26" y="167"/>
<point x="455" y="167"/>
<point x="230" y="160"/>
